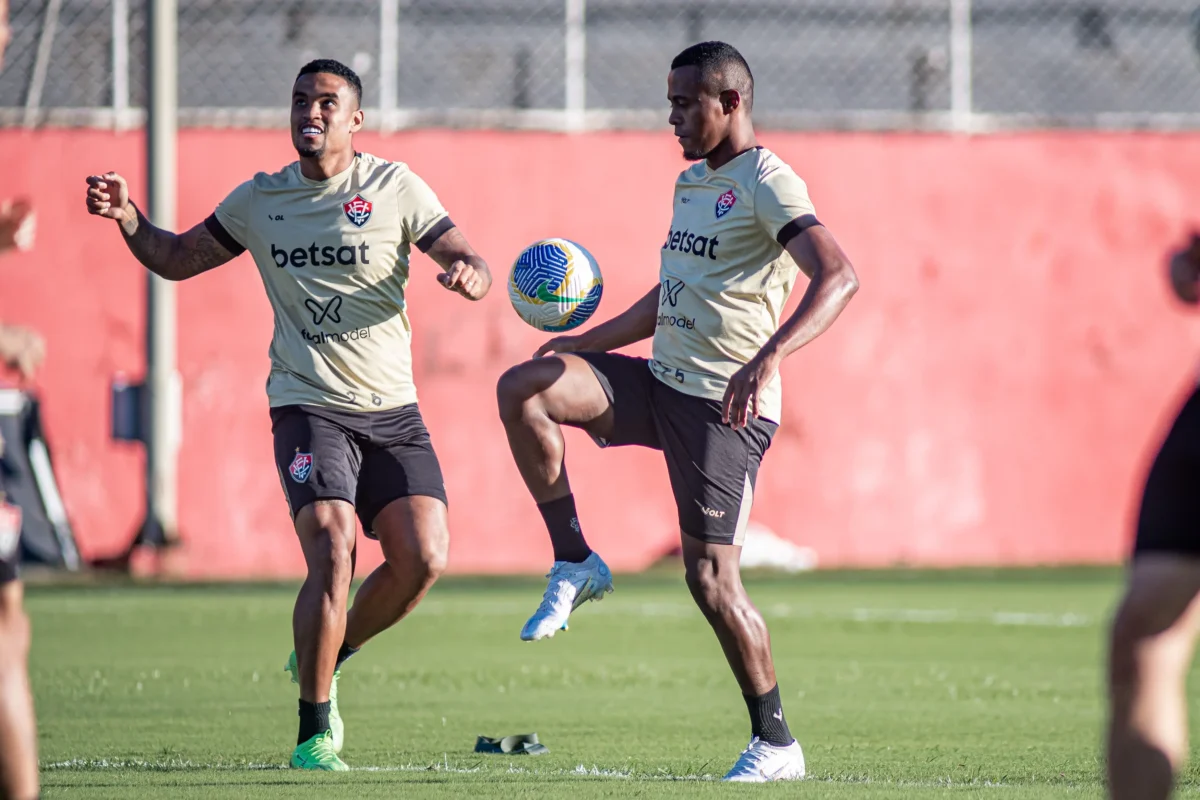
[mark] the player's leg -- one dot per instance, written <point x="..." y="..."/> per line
<point x="415" y="540"/>
<point x="1154" y="630"/>
<point x="605" y="395"/>
<point x="318" y="464"/>
<point x="713" y="470"/>
<point x="1151" y="649"/>
<point x="18" y="729"/>
<point x="402" y="503"/>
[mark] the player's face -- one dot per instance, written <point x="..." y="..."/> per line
<point x="699" y="119"/>
<point x="325" y="115"/>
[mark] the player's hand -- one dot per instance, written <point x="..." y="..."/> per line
<point x="1185" y="272"/>
<point x="742" y="395"/>
<point x="108" y="196"/>
<point x="21" y="349"/>
<point x="560" y="345"/>
<point x="464" y="279"/>
<point x="17" y="225"/>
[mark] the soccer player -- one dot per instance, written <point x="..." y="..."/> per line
<point x="18" y="726"/>
<point x="710" y="397"/>
<point x="1154" y="629"/>
<point x="331" y="234"/>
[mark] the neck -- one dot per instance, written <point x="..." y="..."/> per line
<point x="326" y="165"/>
<point x="739" y="140"/>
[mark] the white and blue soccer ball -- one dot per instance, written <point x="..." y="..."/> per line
<point x="555" y="285"/>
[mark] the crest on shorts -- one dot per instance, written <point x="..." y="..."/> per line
<point x="725" y="203"/>
<point x="301" y="467"/>
<point x="357" y="210"/>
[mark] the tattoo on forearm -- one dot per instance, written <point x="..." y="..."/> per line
<point x="173" y="256"/>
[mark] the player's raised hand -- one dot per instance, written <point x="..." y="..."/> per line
<point x="464" y="279"/>
<point x="1185" y="271"/>
<point x="107" y="196"/>
<point x="21" y="349"/>
<point x="17" y="225"/>
<point x="742" y="395"/>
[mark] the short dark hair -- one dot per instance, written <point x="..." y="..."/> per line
<point x="332" y="67"/>
<point x="721" y="68"/>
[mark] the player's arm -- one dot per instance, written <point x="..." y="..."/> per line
<point x="464" y="271"/>
<point x="175" y="257"/>
<point x="633" y="325"/>
<point x="832" y="283"/>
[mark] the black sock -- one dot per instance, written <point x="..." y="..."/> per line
<point x="314" y="719"/>
<point x="766" y="718"/>
<point x="343" y="654"/>
<point x="565" y="534"/>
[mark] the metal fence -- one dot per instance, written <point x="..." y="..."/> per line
<point x="969" y="65"/>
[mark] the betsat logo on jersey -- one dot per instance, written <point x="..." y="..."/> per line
<point x="555" y="285"/>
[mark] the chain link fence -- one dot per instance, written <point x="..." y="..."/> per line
<point x="831" y="64"/>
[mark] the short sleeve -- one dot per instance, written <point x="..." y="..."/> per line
<point x="229" y="223"/>
<point x="782" y="205"/>
<point x="421" y="213"/>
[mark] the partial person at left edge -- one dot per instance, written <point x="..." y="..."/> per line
<point x="22" y="350"/>
<point x="331" y="234"/>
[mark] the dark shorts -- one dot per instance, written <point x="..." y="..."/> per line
<point x="711" y="466"/>
<point x="1169" y="521"/>
<point x="367" y="458"/>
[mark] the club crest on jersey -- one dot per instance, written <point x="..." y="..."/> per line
<point x="301" y="467"/>
<point x="357" y="210"/>
<point x="725" y="202"/>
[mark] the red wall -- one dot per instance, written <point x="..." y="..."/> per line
<point x="990" y="396"/>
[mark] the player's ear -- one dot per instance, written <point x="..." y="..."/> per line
<point x="731" y="100"/>
<point x="356" y="122"/>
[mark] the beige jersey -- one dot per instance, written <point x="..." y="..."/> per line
<point x="333" y="256"/>
<point x="725" y="276"/>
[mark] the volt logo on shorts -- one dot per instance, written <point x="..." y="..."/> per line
<point x="711" y="512"/>
<point x="301" y="467"/>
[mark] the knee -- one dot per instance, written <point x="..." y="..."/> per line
<point x="433" y="561"/>
<point x="336" y="562"/>
<point x="1140" y="640"/>
<point x="712" y="595"/>
<point x="516" y="392"/>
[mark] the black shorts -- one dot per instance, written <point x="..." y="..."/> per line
<point x="367" y="458"/>
<point x="1169" y="521"/>
<point x="712" y="467"/>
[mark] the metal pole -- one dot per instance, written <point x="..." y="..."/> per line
<point x="162" y="381"/>
<point x="961" y="77"/>
<point x="389" y="61"/>
<point x="120" y="62"/>
<point x="41" y="62"/>
<point x="576" y="67"/>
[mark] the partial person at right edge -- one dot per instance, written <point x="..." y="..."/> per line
<point x="1153" y="636"/>
<point x="710" y="398"/>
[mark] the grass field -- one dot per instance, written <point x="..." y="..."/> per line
<point x="897" y="684"/>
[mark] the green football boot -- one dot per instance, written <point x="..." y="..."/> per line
<point x="336" y="728"/>
<point x="318" y="753"/>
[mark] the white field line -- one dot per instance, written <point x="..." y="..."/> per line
<point x="1030" y="619"/>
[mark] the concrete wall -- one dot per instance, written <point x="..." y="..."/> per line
<point x="990" y="397"/>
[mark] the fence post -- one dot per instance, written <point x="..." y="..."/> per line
<point x="120" y="62"/>
<point x="961" y="72"/>
<point x="389" y="62"/>
<point x="576" y="66"/>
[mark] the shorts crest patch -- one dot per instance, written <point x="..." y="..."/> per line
<point x="301" y="467"/>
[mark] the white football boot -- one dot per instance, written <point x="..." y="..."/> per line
<point x="570" y="586"/>
<point x="762" y="762"/>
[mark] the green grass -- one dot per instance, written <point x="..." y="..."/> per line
<point x="898" y="684"/>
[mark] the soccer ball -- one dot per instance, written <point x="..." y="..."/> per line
<point x="555" y="285"/>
